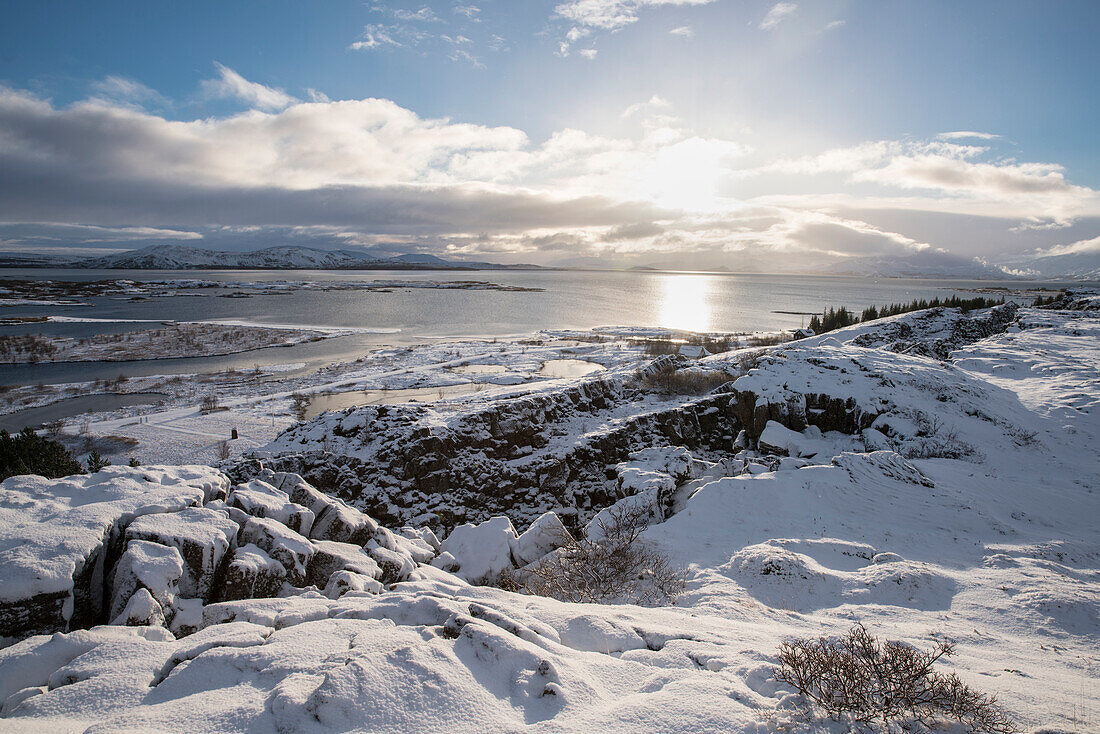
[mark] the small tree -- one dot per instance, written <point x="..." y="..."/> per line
<point x="97" y="462"/>
<point x="209" y="403"/>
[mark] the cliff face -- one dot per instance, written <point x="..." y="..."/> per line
<point x="521" y="456"/>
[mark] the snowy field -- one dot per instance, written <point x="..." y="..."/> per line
<point x="260" y="403"/>
<point x="945" y="499"/>
<point x="171" y="340"/>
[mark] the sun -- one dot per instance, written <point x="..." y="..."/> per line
<point x="684" y="176"/>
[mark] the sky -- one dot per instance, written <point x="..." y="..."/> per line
<point x="754" y="135"/>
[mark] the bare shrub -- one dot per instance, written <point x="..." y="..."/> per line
<point x="870" y="680"/>
<point x="298" y="405"/>
<point x="686" y="381"/>
<point x="768" y="340"/>
<point x="209" y="403"/>
<point x="222" y="449"/>
<point x="935" y="441"/>
<point x="620" y="567"/>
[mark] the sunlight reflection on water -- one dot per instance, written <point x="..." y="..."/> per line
<point x="685" y="302"/>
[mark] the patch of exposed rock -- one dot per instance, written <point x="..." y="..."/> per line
<point x="442" y="465"/>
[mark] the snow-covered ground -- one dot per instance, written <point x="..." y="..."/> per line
<point x="171" y="340"/>
<point x="259" y="403"/>
<point x="927" y="499"/>
<point x="61" y="292"/>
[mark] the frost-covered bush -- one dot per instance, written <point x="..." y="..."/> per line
<point x="859" y="676"/>
<point x="935" y="441"/>
<point x="683" y="381"/>
<point x="618" y="567"/>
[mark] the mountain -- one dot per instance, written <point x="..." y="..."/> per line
<point x="924" y="264"/>
<point x="1084" y="265"/>
<point x="177" y="257"/>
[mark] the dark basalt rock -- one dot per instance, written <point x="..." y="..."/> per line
<point x="517" y="456"/>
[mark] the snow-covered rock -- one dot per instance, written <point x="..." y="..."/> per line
<point x="150" y="566"/>
<point x="331" y="557"/>
<point x="260" y="499"/>
<point x="284" y="545"/>
<point x="54" y="536"/>
<point x="344" y="524"/>
<point x="482" y="551"/>
<point x="342" y="582"/>
<point x="545" y="535"/>
<point x="141" y="610"/>
<point x="250" y="574"/>
<point x="203" y="537"/>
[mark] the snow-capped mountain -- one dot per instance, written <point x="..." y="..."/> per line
<point x="1070" y="266"/>
<point x="176" y="257"/>
<point x="927" y="264"/>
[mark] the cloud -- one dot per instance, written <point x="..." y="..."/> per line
<point x="230" y="84"/>
<point x="778" y="13"/>
<point x="469" y="11"/>
<point x="1038" y="193"/>
<point x="685" y="31"/>
<point x="370" y="171"/>
<point x="834" y="25"/>
<point x="965" y="134"/>
<point x="459" y="54"/>
<point x="121" y="90"/>
<point x="655" y="102"/>
<point x="1091" y="245"/>
<point x="586" y="16"/>
<point x="588" y="53"/>
<point x="29" y="232"/>
<point x="424" y="15"/>
<point x="376" y="35"/>
<point x="612" y="14"/>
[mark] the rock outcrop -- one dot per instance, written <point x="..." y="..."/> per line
<point x="443" y="465"/>
<point x="157" y="545"/>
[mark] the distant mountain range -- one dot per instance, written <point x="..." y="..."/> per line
<point x="177" y="257"/>
<point x="1071" y="266"/>
<point x="923" y="264"/>
<point x="1083" y="265"/>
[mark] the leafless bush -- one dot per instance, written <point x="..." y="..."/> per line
<point x="686" y="381"/>
<point x="209" y="403"/>
<point x="870" y="680"/>
<point x="53" y="428"/>
<point x="767" y="340"/>
<point x="935" y="441"/>
<point x="222" y="449"/>
<point x="298" y="405"/>
<point x="620" y="567"/>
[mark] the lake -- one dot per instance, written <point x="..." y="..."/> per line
<point x="404" y="316"/>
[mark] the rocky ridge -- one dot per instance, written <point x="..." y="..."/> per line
<point x="442" y="464"/>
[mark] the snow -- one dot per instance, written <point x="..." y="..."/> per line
<point x="173" y="340"/>
<point x="545" y="535"/>
<point x="996" y="548"/>
<point x="150" y="566"/>
<point x="202" y="536"/>
<point x="51" y="531"/>
<point x="483" y="551"/>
